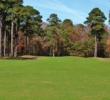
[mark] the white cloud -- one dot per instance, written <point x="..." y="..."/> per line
<point x="76" y="10"/>
<point x="56" y="5"/>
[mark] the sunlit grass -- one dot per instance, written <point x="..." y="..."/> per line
<point x="59" y="78"/>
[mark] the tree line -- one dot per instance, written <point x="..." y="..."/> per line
<point x="22" y="32"/>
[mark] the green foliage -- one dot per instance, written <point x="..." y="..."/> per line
<point x="1" y="6"/>
<point x="82" y="49"/>
<point x="96" y="20"/>
<point x="54" y="20"/>
<point x="32" y="20"/>
<point x="14" y="15"/>
<point x="53" y="33"/>
<point x="58" y="38"/>
<point x="67" y="22"/>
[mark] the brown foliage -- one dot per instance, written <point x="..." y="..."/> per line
<point x="75" y="37"/>
<point x="108" y="46"/>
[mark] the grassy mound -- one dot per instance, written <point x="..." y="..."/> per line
<point x="24" y="57"/>
<point x="28" y="57"/>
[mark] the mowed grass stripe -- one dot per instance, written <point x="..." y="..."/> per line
<point x="59" y="78"/>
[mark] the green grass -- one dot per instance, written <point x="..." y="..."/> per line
<point x="60" y="78"/>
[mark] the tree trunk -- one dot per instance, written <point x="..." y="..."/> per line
<point x="29" y="46"/>
<point x="15" y="51"/>
<point x="53" y="51"/>
<point x="11" y="39"/>
<point x="0" y="37"/>
<point x="15" y="44"/>
<point x="9" y="46"/>
<point x="95" y="48"/>
<point x="15" y="47"/>
<point x="5" y="43"/>
<point x="27" y="43"/>
<point x="33" y="47"/>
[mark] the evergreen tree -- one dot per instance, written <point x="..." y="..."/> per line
<point x="96" y="19"/>
<point x="51" y="32"/>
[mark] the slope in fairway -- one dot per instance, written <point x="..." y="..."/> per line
<point x="60" y="78"/>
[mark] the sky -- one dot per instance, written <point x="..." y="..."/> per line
<point x="76" y="10"/>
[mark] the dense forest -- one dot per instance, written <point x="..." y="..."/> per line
<point x="22" y="32"/>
